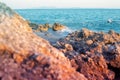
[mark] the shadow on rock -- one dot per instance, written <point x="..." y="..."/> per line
<point x="94" y="54"/>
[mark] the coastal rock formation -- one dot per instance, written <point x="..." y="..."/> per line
<point x="42" y="28"/>
<point x="47" y="25"/>
<point x="33" y="25"/>
<point x="25" y="56"/>
<point x="57" y="27"/>
<point x="94" y="54"/>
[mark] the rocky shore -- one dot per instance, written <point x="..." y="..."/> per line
<point x="25" y="56"/>
<point x="50" y="32"/>
<point x="81" y="55"/>
<point x="94" y="54"/>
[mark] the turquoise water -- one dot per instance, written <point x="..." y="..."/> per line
<point x="75" y="19"/>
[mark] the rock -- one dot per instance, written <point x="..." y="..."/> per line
<point x="94" y="54"/>
<point x="33" y="25"/>
<point x="18" y="40"/>
<point x="68" y="47"/>
<point x="111" y="32"/>
<point x="89" y="42"/>
<point x="93" y="68"/>
<point x="18" y="58"/>
<point x="57" y="27"/>
<point x="6" y="11"/>
<point x="47" y="25"/>
<point x="85" y="33"/>
<point x="43" y="28"/>
<point x="109" y="21"/>
<point x="112" y="55"/>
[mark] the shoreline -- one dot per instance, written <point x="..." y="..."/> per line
<point x="92" y="52"/>
<point x="81" y="55"/>
<point x="60" y="33"/>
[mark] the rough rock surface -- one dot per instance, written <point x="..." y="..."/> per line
<point x="42" y="28"/>
<point x="94" y="54"/>
<point x="25" y="56"/>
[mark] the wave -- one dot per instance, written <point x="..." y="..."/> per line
<point x="67" y="29"/>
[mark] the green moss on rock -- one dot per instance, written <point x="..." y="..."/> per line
<point x="5" y="10"/>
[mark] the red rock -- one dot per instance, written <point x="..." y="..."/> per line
<point x="18" y="58"/>
<point x="89" y="47"/>
<point x="17" y="38"/>
<point x="94" y="68"/>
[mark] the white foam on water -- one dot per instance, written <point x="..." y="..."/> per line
<point x="67" y="30"/>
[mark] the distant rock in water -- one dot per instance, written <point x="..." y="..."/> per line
<point x="42" y="28"/>
<point x="109" y="20"/>
<point x="57" y="27"/>
<point x="33" y="25"/>
<point x="26" y="56"/>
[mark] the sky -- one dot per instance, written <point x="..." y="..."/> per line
<point x="25" y="4"/>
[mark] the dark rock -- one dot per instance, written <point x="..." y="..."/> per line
<point x="98" y="53"/>
<point x="112" y="55"/>
<point x="85" y="33"/>
<point x="33" y="26"/>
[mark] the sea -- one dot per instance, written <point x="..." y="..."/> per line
<point x="75" y="19"/>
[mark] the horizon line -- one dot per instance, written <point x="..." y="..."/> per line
<point x="64" y="8"/>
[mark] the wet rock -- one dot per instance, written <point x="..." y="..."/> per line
<point x="42" y="28"/>
<point x="57" y="27"/>
<point x="47" y="25"/>
<point x="33" y="25"/>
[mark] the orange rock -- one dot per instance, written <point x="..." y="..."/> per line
<point x="68" y="47"/>
<point x="89" y="42"/>
<point x="18" y="38"/>
<point x="18" y="58"/>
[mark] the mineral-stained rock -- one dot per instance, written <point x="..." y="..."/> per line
<point x="37" y="58"/>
